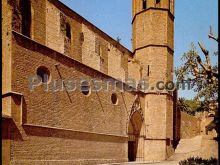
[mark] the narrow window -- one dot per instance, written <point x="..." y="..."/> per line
<point x="148" y="70"/>
<point x="85" y="88"/>
<point x="157" y="3"/>
<point x="97" y="46"/>
<point x="114" y="99"/>
<point x="68" y="31"/>
<point x="82" y="37"/>
<point x="44" y="74"/>
<point x="25" y="6"/>
<point x="144" y="4"/>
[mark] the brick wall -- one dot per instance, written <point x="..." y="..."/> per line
<point x="190" y="126"/>
<point x="39" y="13"/>
<point x="48" y="27"/>
<point x="155" y="116"/>
<point x="115" y="61"/>
<point x="138" y="5"/>
<point x="111" y="59"/>
<point x="89" y="55"/>
<point x="6" y="46"/>
<point x="54" y="37"/>
<point x="76" y="128"/>
<point x="156" y="35"/>
<point x="55" y="116"/>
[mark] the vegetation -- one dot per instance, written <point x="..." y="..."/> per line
<point x="199" y="161"/>
<point x="203" y="76"/>
<point x="193" y="106"/>
<point x="189" y="106"/>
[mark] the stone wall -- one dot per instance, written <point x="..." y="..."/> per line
<point x="190" y="126"/>
<point x="87" y="44"/>
<point x="206" y="119"/>
<point x="73" y="126"/>
<point x="39" y="13"/>
<point x="6" y="46"/>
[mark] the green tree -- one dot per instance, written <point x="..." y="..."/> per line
<point x="203" y="76"/>
<point x="189" y="106"/>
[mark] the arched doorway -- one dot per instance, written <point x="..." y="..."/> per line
<point x="134" y="132"/>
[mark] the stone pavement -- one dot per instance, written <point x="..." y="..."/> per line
<point x="148" y="163"/>
<point x="201" y="146"/>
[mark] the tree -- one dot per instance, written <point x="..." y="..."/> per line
<point x="189" y="106"/>
<point x="181" y="105"/>
<point x="203" y="76"/>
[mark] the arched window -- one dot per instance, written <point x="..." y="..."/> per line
<point x="43" y="73"/>
<point x="68" y="31"/>
<point x="25" y="6"/>
<point x="85" y="88"/>
<point x="144" y="4"/>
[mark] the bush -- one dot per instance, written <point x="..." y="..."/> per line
<point x="198" y="161"/>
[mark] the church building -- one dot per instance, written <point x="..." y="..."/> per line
<point x="47" y="118"/>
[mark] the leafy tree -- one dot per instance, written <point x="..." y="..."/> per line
<point x="182" y="106"/>
<point x="203" y="76"/>
<point x="189" y="106"/>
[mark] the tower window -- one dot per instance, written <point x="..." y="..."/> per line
<point x="148" y="70"/>
<point x="25" y="6"/>
<point x="157" y="1"/>
<point x="144" y="4"/>
<point x="68" y="31"/>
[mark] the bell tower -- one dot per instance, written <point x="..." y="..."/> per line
<point x="153" y="46"/>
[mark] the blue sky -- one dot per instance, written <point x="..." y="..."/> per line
<point x="192" y="21"/>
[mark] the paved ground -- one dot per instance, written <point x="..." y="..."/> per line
<point x="149" y="163"/>
<point x="202" y="146"/>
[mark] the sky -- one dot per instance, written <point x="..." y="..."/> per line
<point x="192" y="21"/>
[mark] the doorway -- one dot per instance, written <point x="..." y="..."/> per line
<point x="134" y="130"/>
<point x="131" y="153"/>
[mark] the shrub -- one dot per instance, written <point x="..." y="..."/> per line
<point x="198" y="161"/>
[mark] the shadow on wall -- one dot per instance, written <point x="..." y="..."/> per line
<point x="9" y="130"/>
<point x="190" y="126"/>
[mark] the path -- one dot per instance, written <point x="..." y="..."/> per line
<point x="147" y="163"/>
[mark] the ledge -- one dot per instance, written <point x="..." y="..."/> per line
<point x="153" y="8"/>
<point x="72" y="161"/>
<point x="157" y="93"/>
<point x="156" y="139"/>
<point x="6" y="116"/>
<point x="11" y="93"/>
<point x="154" y="45"/>
<point x="73" y="131"/>
<point x="36" y="46"/>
